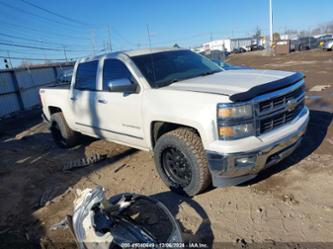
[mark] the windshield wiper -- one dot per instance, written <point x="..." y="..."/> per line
<point x="208" y="73"/>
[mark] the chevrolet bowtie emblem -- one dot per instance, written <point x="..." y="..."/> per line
<point x="291" y="104"/>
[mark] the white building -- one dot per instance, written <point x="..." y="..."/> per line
<point x="228" y="44"/>
<point x="289" y="37"/>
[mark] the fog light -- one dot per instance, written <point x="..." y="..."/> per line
<point x="249" y="161"/>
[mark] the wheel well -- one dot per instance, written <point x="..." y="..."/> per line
<point x="159" y="128"/>
<point x="53" y="109"/>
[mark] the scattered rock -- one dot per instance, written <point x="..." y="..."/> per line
<point x="289" y="199"/>
<point x="319" y="88"/>
<point x="330" y="140"/>
<point x="242" y="243"/>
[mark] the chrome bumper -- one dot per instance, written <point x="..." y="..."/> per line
<point x="225" y="170"/>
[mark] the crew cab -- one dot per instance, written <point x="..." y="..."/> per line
<point x="203" y="123"/>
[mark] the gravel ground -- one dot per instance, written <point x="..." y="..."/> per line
<point x="289" y="205"/>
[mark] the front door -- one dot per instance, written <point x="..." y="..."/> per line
<point x="119" y="113"/>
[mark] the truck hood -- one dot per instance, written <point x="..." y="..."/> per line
<point x="232" y="82"/>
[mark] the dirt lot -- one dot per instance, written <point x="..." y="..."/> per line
<point x="290" y="202"/>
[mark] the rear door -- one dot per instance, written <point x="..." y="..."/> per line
<point x="83" y="98"/>
<point x="119" y="113"/>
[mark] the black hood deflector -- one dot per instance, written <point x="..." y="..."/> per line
<point x="267" y="87"/>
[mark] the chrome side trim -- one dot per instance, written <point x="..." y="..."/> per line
<point x="115" y="132"/>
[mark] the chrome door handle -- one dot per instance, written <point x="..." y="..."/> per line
<point x="73" y="98"/>
<point x="102" y="101"/>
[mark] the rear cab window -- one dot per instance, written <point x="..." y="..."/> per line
<point x="86" y="76"/>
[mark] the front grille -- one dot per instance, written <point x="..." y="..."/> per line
<point x="279" y="119"/>
<point x="274" y="112"/>
<point x="271" y="104"/>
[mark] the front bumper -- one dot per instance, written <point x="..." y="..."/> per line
<point x="226" y="169"/>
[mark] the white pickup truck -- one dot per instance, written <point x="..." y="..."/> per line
<point x="203" y="123"/>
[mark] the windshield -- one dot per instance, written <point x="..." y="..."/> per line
<point x="165" y="68"/>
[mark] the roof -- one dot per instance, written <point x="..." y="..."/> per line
<point x="143" y="51"/>
<point x="130" y="53"/>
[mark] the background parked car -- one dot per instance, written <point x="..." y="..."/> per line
<point x="323" y="39"/>
<point x="239" y="50"/>
<point x="328" y="45"/>
<point x="304" y="43"/>
<point x="255" y="47"/>
<point x="65" y="76"/>
<point x="216" y="55"/>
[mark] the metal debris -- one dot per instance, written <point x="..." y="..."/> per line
<point x="120" y="167"/>
<point x="46" y="196"/>
<point x="63" y="224"/>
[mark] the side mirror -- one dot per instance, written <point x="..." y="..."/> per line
<point x="122" y="85"/>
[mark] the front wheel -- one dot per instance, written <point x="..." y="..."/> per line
<point x="181" y="162"/>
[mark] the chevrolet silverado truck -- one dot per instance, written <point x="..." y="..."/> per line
<point x="204" y="124"/>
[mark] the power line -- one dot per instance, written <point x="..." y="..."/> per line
<point x="28" y="58"/>
<point x="27" y="39"/>
<point x="41" y="32"/>
<point x="39" y="41"/>
<point x="121" y="36"/>
<point x="54" y="13"/>
<point x="28" y="53"/>
<point x="11" y="44"/>
<point x="36" y="15"/>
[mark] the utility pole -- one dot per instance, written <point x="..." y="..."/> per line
<point x="151" y="56"/>
<point x="42" y="43"/>
<point x="65" y="52"/>
<point x="93" y="40"/>
<point x="148" y="33"/>
<point x="109" y="32"/>
<point x="9" y="59"/>
<point x="270" y="24"/>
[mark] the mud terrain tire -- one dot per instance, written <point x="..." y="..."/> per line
<point x="182" y="149"/>
<point x="63" y="136"/>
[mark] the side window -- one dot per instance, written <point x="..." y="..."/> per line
<point x="113" y="70"/>
<point x="86" y="76"/>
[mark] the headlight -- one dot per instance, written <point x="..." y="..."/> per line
<point x="234" y="112"/>
<point x="236" y="131"/>
<point x="235" y="121"/>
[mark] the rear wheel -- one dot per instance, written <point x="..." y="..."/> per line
<point x="63" y="136"/>
<point x="181" y="162"/>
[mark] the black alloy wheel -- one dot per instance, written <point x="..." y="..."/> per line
<point x="176" y="166"/>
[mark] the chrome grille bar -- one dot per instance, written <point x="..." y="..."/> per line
<point x="277" y="108"/>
